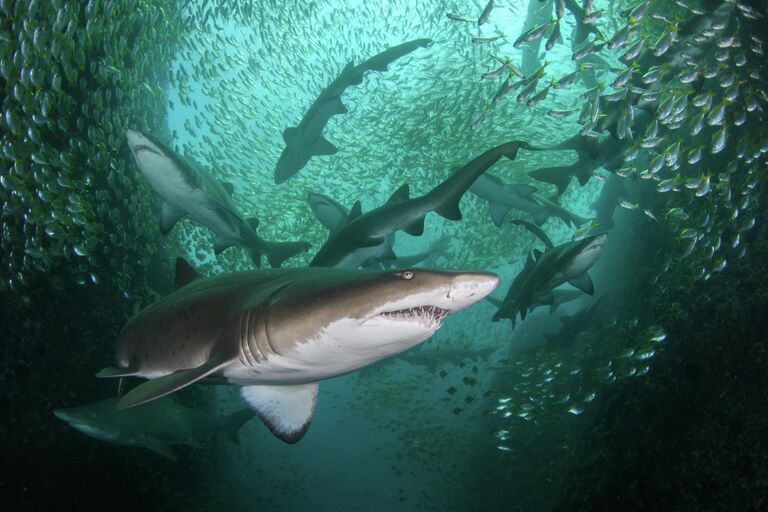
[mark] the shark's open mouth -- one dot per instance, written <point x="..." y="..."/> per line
<point x="429" y="316"/>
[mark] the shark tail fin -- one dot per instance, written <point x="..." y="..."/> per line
<point x="558" y="176"/>
<point x="114" y="371"/>
<point x="234" y="422"/>
<point x="278" y="252"/>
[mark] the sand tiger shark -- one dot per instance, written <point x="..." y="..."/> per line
<point x="568" y="262"/>
<point x="306" y="140"/>
<point x="334" y="217"/>
<point x="344" y="247"/>
<point x="278" y="332"/>
<point x="153" y="425"/>
<point x="186" y="189"/>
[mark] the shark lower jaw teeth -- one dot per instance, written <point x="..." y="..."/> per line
<point x="429" y="316"/>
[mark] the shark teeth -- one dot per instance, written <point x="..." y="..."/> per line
<point x="429" y="316"/>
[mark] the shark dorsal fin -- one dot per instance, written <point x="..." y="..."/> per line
<point x="400" y="195"/>
<point x="289" y="134"/>
<point x="355" y="212"/>
<point x="323" y="147"/>
<point x="185" y="273"/>
<point x="230" y="188"/>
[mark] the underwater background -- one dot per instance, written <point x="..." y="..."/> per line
<point x="646" y="394"/>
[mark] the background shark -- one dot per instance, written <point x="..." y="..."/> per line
<point x="568" y="262"/>
<point x="153" y="425"/>
<point x="185" y="189"/>
<point x="502" y="197"/>
<point x="278" y="332"/>
<point x="402" y="212"/>
<point x="306" y="140"/>
<point x="334" y="217"/>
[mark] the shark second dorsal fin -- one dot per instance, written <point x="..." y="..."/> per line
<point x="355" y="212"/>
<point x="286" y="410"/>
<point x="185" y="273"/>
<point x="167" y="384"/>
<point x="400" y="195"/>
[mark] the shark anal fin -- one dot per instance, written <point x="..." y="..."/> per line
<point x="323" y="147"/>
<point x="285" y="410"/>
<point x="185" y="273"/>
<point x="168" y="217"/>
<point x="583" y="283"/>
<point x="220" y="245"/>
<point x="114" y="371"/>
<point x="355" y="212"/>
<point x="159" y="448"/>
<point x="498" y="212"/>
<point x="167" y="384"/>
<point x="450" y="209"/>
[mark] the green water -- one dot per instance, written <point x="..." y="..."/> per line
<point x="644" y="394"/>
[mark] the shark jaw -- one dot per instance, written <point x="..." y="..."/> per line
<point x="587" y="257"/>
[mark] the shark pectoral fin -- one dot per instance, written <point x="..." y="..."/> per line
<point x="285" y="410"/>
<point x="583" y="283"/>
<point x="159" y="448"/>
<point x="167" y="384"/>
<point x="338" y="107"/>
<point x="323" y="147"/>
<point x="230" y="188"/>
<point x="185" y="274"/>
<point x="498" y="212"/>
<point x="289" y="134"/>
<point x="415" y="228"/>
<point x="168" y="217"/>
<point x="114" y="371"/>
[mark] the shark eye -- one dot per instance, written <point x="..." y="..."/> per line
<point x="408" y="274"/>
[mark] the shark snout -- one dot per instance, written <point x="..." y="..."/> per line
<point x="467" y="288"/>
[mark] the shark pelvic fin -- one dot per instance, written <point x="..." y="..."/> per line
<point x="583" y="283"/>
<point x="323" y="147"/>
<point x="114" y="371"/>
<point x="167" y="384"/>
<point x="415" y="228"/>
<point x="168" y="217"/>
<point x="185" y="273"/>
<point x="285" y="410"/>
<point x="158" y="447"/>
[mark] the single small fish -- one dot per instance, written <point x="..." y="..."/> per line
<point x="456" y="17"/>
<point x="634" y="50"/>
<point x="638" y="13"/>
<point x="591" y="18"/>
<point x="503" y="90"/>
<point x="553" y="37"/>
<point x="566" y="80"/>
<point x="622" y="79"/>
<point x="495" y="73"/>
<point x="718" y="141"/>
<point x="619" y="38"/>
<point x="539" y="97"/>
<point x="486" y="40"/>
<point x="486" y="12"/>
<point x="628" y="205"/>
<point x="559" y="114"/>
<point x="527" y="91"/>
<point x="531" y="35"/>
<point x="716" y="116"/>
